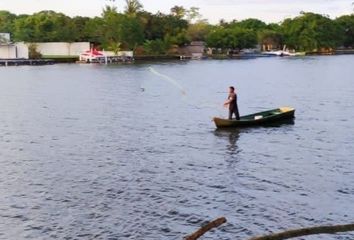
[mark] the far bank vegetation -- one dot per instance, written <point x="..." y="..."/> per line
<point x="134" y="28"/>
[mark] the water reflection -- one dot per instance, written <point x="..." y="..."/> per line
<point x="281" y="123"/>
<point x="232" y="135"/>
<point x="83" y="157"/>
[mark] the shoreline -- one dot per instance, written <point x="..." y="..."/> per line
<point x="153" y="58"/>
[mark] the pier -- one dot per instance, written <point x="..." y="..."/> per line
<point x="21" y="62"/>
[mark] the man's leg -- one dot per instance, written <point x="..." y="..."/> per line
<point x="230" y="114"/>
<point x="237" y="113"/>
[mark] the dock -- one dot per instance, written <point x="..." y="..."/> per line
<point x="29" y="62"/>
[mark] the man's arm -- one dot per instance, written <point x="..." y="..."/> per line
<point x="229" y="100"/>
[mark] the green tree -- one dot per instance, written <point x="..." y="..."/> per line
<point x="268" y="37"/>
<point x="120" y="29"/>
<point x="310" y="32"/>
<point x="115" y="47"/>
<point x="112" y="27"/>
<point x="152" y="25"/>
<point x="45" y="26"/>
<point x="252" y="24"/>
<point x="94" y="30"/>
<point x="178" y="11"/>
<point x="274" y="27"/>
<point x="78" y="25"/>
<point x="132" y="33"/>
<point x="231" y="38"/>
<point x="193" y="14"/>
<point x="157" y="46"/>
<point x="159" y="32"/>
<point x="24" y="29"/>
<point x="132" y="7"/>
<point x="6" y="21"/>
<point x="173" y="25"/>
<point x="33" y="52"/>
<point x="157" y="26"/>
<point x="346" y="24"/>
<point x="198" y="31"/>
<point x="246" y="38"/>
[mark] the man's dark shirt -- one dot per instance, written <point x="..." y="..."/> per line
<point x="233" y="103"/>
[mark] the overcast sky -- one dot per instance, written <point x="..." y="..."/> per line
<point x="213" y="10"/>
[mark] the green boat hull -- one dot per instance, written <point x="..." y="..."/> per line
<point x="258" y="119"/>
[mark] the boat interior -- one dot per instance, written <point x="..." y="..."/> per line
<point x="260" y="115"/>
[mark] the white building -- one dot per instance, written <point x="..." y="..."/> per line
<point x="9" y="50"/>
<point x="13" y="51"/>
<point x="62" y="49"/>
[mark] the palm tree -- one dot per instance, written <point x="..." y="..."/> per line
<point x="109" y="10"/>
<point x="193" y="14"/>
<point x="178" y="11"/>
<point x="115" y="47"/>
<point x="132" y="7"/>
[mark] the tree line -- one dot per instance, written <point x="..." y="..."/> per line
<point x="146" y="33"/>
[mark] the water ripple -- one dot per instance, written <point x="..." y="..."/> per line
<point x="86" y="155"/>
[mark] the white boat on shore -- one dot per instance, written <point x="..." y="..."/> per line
<point x="282" y="53"/>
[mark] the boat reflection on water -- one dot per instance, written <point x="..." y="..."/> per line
<point x="233" y="134"/>
<point x="280" y="123"/>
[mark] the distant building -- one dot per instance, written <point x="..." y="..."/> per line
<point x="9" y="50"/>
<point x="62" y="49"/>
<point x="195" y="49"/>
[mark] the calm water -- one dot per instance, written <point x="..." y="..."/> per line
<point x="116" y="152"/>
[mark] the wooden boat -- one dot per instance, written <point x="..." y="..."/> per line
<point x="258" y="119"/>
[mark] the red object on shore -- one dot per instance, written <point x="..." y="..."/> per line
<point x="93" y="53"/>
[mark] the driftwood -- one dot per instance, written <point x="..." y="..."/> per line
<point x="214" y="224"/>
<point x="307" y="231"/>
<point x="277" y="236"/>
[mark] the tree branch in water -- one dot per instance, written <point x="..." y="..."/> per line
<point x="306" y="232"/>
<point x="214" y="224"/>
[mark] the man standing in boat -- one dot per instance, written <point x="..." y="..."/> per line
<point x="232" y="103"/>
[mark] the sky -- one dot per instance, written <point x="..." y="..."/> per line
<point x="213" y="10"/>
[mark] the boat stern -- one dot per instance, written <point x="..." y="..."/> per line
<point x="286" y="109"/>
<point x="289" y="111"/>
